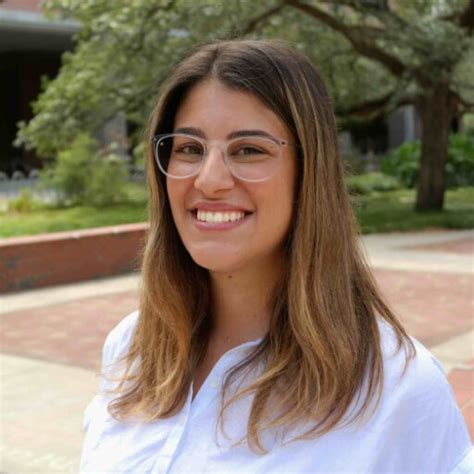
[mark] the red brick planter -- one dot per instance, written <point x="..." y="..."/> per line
<point x="65" y="257"/>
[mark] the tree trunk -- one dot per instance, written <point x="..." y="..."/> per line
<point x="437" y="108"/>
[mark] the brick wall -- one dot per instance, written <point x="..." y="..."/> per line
<point x="28" y="5"/>
<point x="65" y="257"/>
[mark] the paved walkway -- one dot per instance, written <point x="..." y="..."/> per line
<point x="51" y="341"/>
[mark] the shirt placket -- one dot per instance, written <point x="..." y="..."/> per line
<point x="169" y="451"/>
<point x="208" y="393"/>
<point x="211" y="389"/>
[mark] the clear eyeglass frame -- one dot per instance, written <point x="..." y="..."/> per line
<point x="223" y="145"/>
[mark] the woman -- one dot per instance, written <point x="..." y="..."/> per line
<point x="261" y="344"/>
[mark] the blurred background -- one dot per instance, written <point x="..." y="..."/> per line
<point x="77" y="83"/>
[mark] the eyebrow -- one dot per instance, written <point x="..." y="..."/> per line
<point x="237" y="134"/>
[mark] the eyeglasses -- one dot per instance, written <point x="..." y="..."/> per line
<point x="249" y="158"/>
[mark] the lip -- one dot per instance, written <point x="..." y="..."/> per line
<point x="218" y="206"/>
<point x="201" y="225"/>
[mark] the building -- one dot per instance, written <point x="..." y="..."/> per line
<point x="31" y="46"/>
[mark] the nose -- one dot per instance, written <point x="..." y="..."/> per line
<point x="214" y="174"/>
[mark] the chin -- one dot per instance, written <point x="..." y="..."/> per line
<point x="217" y="262"/>
<point x="216" y="266"/>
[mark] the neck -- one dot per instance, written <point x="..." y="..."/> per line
<point x="240" y="303"/>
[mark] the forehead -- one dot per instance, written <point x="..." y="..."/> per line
<point x="220" y="110"/>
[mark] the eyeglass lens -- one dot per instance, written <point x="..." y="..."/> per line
<point x="249" y="158"/>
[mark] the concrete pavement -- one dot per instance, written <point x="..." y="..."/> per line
<point x="51" y="341"/>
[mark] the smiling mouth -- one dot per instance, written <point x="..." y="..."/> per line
<point x="219" y="217"/>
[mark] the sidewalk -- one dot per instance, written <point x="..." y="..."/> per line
<point x="51" y="341"/>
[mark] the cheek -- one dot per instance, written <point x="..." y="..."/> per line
<point x="278" y="209"/>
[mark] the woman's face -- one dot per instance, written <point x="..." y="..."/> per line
<point x="215" y="112"/>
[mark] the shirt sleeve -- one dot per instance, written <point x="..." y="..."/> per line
<point x="424" y="430"/>
<point x="115" y="346"/>
<point x="466" y="464"/>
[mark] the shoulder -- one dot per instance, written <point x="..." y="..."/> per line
<point x="418" y="410"/>
<point x="118" y="339"/>
<point x="418" y="376"/>
<point x="117" y="344"/>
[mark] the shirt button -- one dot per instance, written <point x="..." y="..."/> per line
<point x="214" y="383"/>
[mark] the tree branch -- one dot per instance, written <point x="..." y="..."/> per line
<point x="381" y="5"/>
<point x="255" y="22"/>
<point x="381" y="10"/>
<point x="466" y="18"/>
<point x="376" y="107"/>
<point x="359" y="42"/>
<point x="467" y="105"/>
<point x="137" y="46"/>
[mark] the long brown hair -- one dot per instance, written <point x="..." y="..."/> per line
<point x="322" y="350"/>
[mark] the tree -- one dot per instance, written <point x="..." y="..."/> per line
<point x="424" y="45"/>
<point x="395" y="52"/>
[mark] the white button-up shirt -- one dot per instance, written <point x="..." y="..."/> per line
<point x="417" y="427"/>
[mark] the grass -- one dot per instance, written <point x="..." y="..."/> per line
<point x="393" y="211"/>
<point x="377" y="212"/>
<point x="50" y="219"/>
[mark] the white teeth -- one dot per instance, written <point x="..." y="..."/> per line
<point x="219" y="216"/>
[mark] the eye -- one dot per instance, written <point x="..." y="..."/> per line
<point x="252" y="149"/>
<point x="247" y="150"/>
<point x="189" y="149"/>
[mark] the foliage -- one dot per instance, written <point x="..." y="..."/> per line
<point x="377" y="212"/>
<point x="393" y="211"/>
<point x="123" y="52"/>
<point x="460" y="165"/>
<point x="82" y="175"/>
<point x="374" y="55"/>
<point x="468" y="122"/>
<point x="70" y="218"/>
<point x="355" y="161"/>
<point x="403" y="163"/>
<point x="70" y="173"/>
<point x="369" y="182"/>
<point x="125" y="49"/>
<point x="24" y="203"/>
<point x="139" y="155"/>
<point x="333" y="56"/>
<point x="51" y="218"/>
<point x="107" y="181"/>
